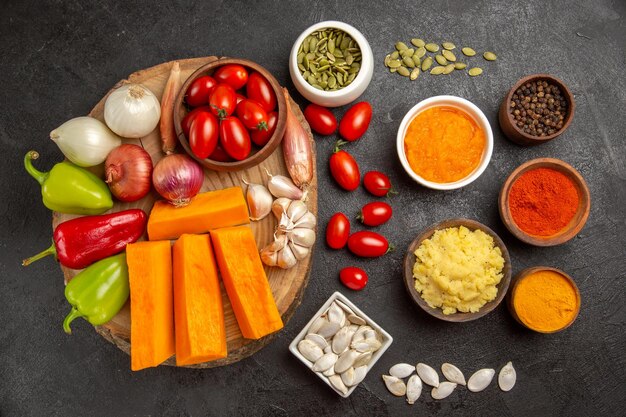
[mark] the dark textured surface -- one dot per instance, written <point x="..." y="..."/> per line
<point x="59" y="58"/>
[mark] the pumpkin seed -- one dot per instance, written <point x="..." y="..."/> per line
<point x="420" y="52"/>
<point x="401" y="46"/>
<point x="408" y="61"/>
<point x="448" y="45"/>
<point x="349" y="58"/>
<point x="448" y="69"/>
<point x="331" y="45"/>
<point x="416" y="61"/>
<point x="403" y="71"/>
<point x="395" y="55"/>
<point x="441" y="60"/>
<point x="460" y="65"/>
<point x="475" y="71"/>
<point x="301" y="67"/>
<point x="345" y="42"/>
<point x="448" y="55"/>
<point x="489" y="56"/>
<point x="426" y="63"/>
<point x="391" y="70"/>
<point x="437" y="70"/>
<point x="414" y="74"/>
<point x="305" y="46"/>
<point x="418" y="42"/>
<point x="431" y="47"/>
<point x="332" y="81"/>
<point x="351" y="78"/>
<point x="300" y="57"/>
<point x="406" y="52"/>
<point x="468" y="51"/>
<point x="394" y="63"/>
<point x="313" y="44"/>
<point x="387" y="59"/>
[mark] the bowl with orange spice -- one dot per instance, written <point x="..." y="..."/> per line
<point x="544" y="202"/>
<point x="544" y="299"/>
<point x="444" y="142"/>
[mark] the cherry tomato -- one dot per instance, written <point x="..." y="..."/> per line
<point x="199" y="91"/>
<point x="353" y="278"/>
<point x="234" y="75"/>
<point x="203" y="134"/>
<point x="368" y="244"/>
<point x="252" y="115"/>
<point x="321" y="119"/>
<point x="356" y="121"/>
<point x="239" y="97"/>
<point x="223" y="100"/>
<point x="260" y="90"/>
<point x="234" y="138"/>
<point x="337" y="231"/>
<point x="186" y="122"/>
<point x="220" y="155"/>
<point x="345" y="170"/>
<point x="375" y="214"/>
<point x="261" y="137"/>
<point x="377" y="184"/>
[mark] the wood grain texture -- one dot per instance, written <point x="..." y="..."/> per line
<point x="287" y="285"/>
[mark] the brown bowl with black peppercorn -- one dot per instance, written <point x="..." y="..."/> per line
<point x="536" y="110"/>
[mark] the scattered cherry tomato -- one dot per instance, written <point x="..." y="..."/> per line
<point x="252" y="115"/>
<point x="199" y="91"/>
<point x="234" y="75"/>
<point x="353" y="278"/>
<point x="235" y="138"/>
<point x="377" y="184"/>
<point x="368" y="244"/>
<point x="337" y="231"/>
<point x="239" y="97"/>
<point x="260" y="90"/>
<point x="345" y="170"/>
<point x="186" y="122"/>
<point x="356" y="121"/>
<point x="203" y="134"/>
<point x="375" y="214"/>
<point x="261" y="137"/>
<point x="321" y="120"/>
<point x="220" y="155"/>
<point x="223" y="100"/>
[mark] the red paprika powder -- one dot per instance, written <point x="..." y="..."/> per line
<point x="543" y="201"/>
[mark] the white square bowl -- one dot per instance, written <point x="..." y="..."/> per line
<point x="386" y="338"/>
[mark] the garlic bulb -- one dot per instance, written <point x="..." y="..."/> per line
<point x="281" y="186"/>
<point x="259" y="201"/>
<point x="132" y="111"/>
<point x="85" y="141"/>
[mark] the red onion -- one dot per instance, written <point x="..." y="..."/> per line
<point x="177" y="178"/>
<point x="127" y="171"/>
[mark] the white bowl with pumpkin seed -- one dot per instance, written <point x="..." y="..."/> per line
<point x="331" y="63"/>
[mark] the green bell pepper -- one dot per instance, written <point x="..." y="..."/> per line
<point x="70" y="189"/>
<point x="98" y="292"/>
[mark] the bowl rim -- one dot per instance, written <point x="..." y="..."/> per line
<point x="360" y="39"/>
<point x="466" y="106"/>
<point x="528" y="271"/>
<point x="568" y="95"/>
<point x="261" y="154"/>
<point x="577" y="223"/>
<point x="458" y="317"/>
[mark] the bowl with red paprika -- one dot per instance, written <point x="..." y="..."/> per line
<point x="544" y="202"/>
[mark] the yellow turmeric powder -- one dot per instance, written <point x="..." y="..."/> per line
<point x="546" y="301"/>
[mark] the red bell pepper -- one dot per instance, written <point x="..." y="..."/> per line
<point x="79" y="242"/>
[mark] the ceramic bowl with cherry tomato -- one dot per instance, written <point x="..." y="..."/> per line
<point x="230" y="114"/>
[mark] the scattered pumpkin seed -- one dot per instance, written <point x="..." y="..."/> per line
<point x="395" y="55"/>
<point x="460" y="65"/>
<point x="431" y="47"/>
<point x="387" y="59"/>
<point x="403" y="71"/>
<point x="448" y="69"/>
<point x="468" y="51"/>
<point x="475" y="71"/>
<point x="441" y="60"/>
<point x="426" y="63"/>
<point x="408" y="61"/>
<point x="418" y="42"/>
<point x="414" y="74"/>
<point x="406" y="52"/>
<point x="489" y="56"/>
<point x="392" y="70"/>
<point x="437" y="70"/>
<point x="448" y="45"/>
<point x="401" y="46"/>
<point x="448" y="55"/>
<point x="394" y="63"/>
<point x="416" y="61"/>
<point x="420" y="52"/>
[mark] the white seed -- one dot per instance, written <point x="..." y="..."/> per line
<point x="341" y="340"/>
<point x="453" y="374"/>
<point x="328" y="329"/>
<point x="347" y="309"/>
<point x="310" y="350"/>
<point x="413" y="389"/>
<point x="336" y="382"/>
<point x="353" y="318"/>
<point x="326" y="361"/>
<point x="345" y="361"/>
<point x="316" y="325"/>
<point x="328" y="349"/>
<point x="329" y="372"/>
<point x="367" y="345"/>
<point x="336" y="314"/>
<point x="401" y="370"/>
<point x="363" y="359"/>
<point x="427" y="374"/>
<point x="507" y="377"/>
<point x="443" y="390"/>
<point x="317" y="339"/>
<point x="348" y="377"/>
<point x="395" y="385"/>
<point x="359" y="374"/>
<point x="480" y="380"/>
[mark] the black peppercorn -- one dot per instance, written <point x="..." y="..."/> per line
<point x="539" y="108"/>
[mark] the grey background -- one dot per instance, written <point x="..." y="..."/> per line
<point x="59" y="58"/>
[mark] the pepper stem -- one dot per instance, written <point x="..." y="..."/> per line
<point x="35" y="173"/>
<point x="74" y="314"/>
<point x="52" y="250"/>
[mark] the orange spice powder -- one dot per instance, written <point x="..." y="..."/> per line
<point x="444" y="144"/>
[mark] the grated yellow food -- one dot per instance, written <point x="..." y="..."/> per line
<point x="457" y="269"/>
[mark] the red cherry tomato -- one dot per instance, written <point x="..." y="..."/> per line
<point x="377" y="184"/>
<point x="321" y="119"/>
<point x="368" y="244"/>
<point x="220" y="155"/>
<point x="186" y="122"/>
<point x="223" y="100"/>
<point x="375" y="214"/>
<point x="234" y="75"/>
<point x="261" y="137"/>
<point x="260" y="90"/>
<point x="345" y="170"/>
<point x="356" y="121"/>
<point x="239" y="97"/>
<point x="338" y="231"/>
<point x="199" y="91"/>
<point x="234" y="138"/>
<point x="203" y="134"/>
<point x="353" y="278"/>
<point x="252" y="115"/>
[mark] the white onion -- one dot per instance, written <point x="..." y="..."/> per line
<point x="132" y="111"/>
<point x="85" y="141"/>
<point x="177" y="178"/>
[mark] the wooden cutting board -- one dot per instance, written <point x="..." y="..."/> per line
<point x="287" y="285"/>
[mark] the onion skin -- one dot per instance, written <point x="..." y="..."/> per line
<point x="166" y="125"/>
<point x="178" y="179"/>
<point x="128" y="172"/>
<point x="297" y="148"/>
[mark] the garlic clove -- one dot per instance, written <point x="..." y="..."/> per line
<point x="302" y="236"/>
<point x="300" y="252"/>
<point x="269" y="254"/>
<point x="296" y="210"/>
<point x="286" y="258"/>
<point x="308" y="220"/>
<point x="259" y="201"/>
<point x="280" y="206"/>
<point x="285" y="224"/>
<point x="281" y="186"/>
